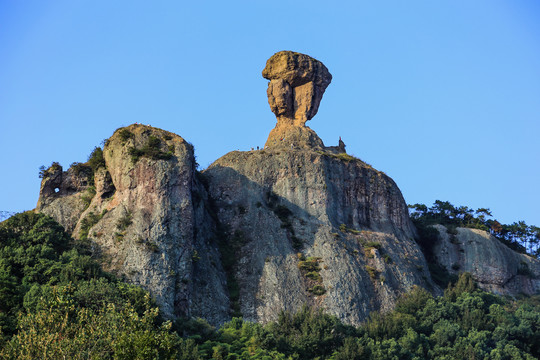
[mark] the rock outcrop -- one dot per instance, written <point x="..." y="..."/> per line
<point x="315" y="228"/>
<point x="258" y="232"/>
<point x="493" y="265"/>
<point x="297" y="84"/>
<point x="145" y="215"/>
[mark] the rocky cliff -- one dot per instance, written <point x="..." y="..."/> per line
<point x="493" y="265"/>
<point x="144" y="213"/>
<point x="257" y="232"/>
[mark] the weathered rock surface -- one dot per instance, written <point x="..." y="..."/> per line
<point x="290" y="205"/>
<point x="262" y="231"/>
<point x="296" y="87"/>
<point x="148" y="220"/>
<point x="493" y="265"/>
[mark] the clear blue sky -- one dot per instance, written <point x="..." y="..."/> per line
<point x="443" y="96"/>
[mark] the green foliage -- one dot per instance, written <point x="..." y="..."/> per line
<point x="87" y="196"/>
<point x="81" y="170"/>
<point x="56" y="302"/>
<point x="90" y="220"/>
<point x="343" y="228"/>
<point x="125" y="221"/>
<point x="373" y="273"/>
<point x="317" y="290"/>
<point x="69" y="308"/>
<point x="124" y="135"/>
<point x="310" y="264"/>
<point x="310" y="269"/>
<point x="89" y="168"/>
<point x="229" y="247"/>
<point x="152" y="150"/>
<point x="518" y="236"/>
<point x="45" y="172"/>
<point x="35" y="252"/>
<point x="63" y="328"/>
<point x="96" y="159"/>
<point x="372" y="245"/>
<point x="314" y="275"/>
<point x="284" y="214"/>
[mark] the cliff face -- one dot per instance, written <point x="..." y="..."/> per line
<point x="493" y="265"/>
<point x="296" y="206"/>
<point x="146" y="219"/>
<point x="262" y="231"/>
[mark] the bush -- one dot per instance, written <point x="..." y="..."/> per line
<point x="45" y="172"/>
<point x="310" y="264"/>
<point x="317" y="290"/>
<point x="124" y="135"/>
<point x="152" y="150"/>
<point x="96" y="159"/>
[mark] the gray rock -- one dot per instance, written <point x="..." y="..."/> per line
<point x="152" y="226"/>
<point x="364" y="266"/>
<point x="492" y="264"/>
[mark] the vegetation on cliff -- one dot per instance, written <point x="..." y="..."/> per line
<point x="518" y="236"/>
<point x="56" y="302"/>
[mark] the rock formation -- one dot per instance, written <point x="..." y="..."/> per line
<point x="146" y="218"/>
<point x="297" y="84"/>
<point x="258" y="232"/>
<point x="493" y="265"/>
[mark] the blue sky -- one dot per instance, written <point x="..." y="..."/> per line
<point x="443" y="96"/>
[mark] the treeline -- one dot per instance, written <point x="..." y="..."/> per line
<point x="5" y="214"/>
<point x="518" y="236"/>
<point x="57" y="303"/>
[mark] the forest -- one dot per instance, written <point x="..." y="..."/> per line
<point x="57" y="303"/>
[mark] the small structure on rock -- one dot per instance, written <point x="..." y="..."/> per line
<point x="297" y="84"/>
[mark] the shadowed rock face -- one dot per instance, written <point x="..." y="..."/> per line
<point x="290" y="205"/>
<point x="297" y="84"/>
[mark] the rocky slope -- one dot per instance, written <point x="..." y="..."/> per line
<point x="494" y="266"/>
<point x="257" y="232"/>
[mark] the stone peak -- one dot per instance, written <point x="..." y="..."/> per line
<point x="297" y="84"/>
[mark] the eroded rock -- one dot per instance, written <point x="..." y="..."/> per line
<point x="493" y="265"/>
<point x="146" y="218"/>
<point x="296" y="87"/>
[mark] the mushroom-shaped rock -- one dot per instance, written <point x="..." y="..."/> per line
<point x="297" y="84"/>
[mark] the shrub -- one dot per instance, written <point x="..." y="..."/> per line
<point x="125" y="221"/>
<point x="45" y="172"/>
<point x="314" y="275"/>
<point x="317" y="290"/>
<point x="310" y="264"/>
<point x="96" y="159"/>
<point x="152" y="150"/>
<point x="87" y="196"/>
<point x="81" y="169"/>
<point x="124" y="135"/>
<point x="373" y="273"/>
<point x="90" y="220"/>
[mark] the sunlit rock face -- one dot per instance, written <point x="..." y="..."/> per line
<point x="493" y="265"/>
<point x="296" y="87"/>
<point x="259" y="232"/>
<point x="146" y="219"/>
